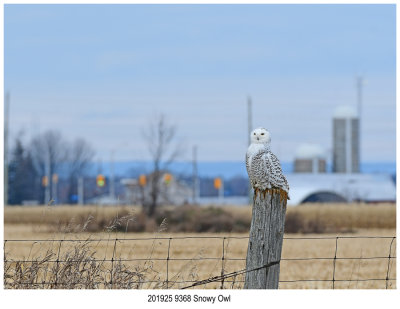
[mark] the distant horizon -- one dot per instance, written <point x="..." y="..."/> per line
<point x="226" y="169"/>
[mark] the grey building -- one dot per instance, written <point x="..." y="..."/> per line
<point x="173" y="193"/>
<point x="346" y="141"/>
<point x="309" y="158"/>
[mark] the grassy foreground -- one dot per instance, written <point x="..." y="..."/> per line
<point x="140" y="259"/>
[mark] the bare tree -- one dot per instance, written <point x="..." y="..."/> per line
<point x="160" y="137"/>
<point x="49" y="152"/>
<point x="79" y="156"/>
<point x="52" y="154"/>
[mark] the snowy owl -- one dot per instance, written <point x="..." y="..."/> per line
<point x="263" y="166"/>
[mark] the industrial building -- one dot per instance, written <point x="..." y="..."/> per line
<point x="340" y="187"/>
<point x="346" y="140"/>
<point x="309" y="158"/>
<point x="310" y="183"/>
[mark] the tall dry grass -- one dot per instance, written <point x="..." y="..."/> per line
<point x="68" y="263"/>
<point x="336" y="217"/>
<point x="311" y="218"/>
<point x="76" y="268"/>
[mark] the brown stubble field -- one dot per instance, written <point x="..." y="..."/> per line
<point x="201" y="258"/>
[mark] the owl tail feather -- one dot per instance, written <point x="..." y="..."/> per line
<point x="282" y="193"/>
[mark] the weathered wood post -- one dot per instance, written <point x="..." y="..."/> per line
<point x="266" y="237"/>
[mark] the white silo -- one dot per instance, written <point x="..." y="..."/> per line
<point x="309" y="158"/>
<point x="346" y="152"/>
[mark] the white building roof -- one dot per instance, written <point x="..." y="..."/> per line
<point x="345" y="112"/>
<point x="365" y="187"/>
<point x="309" y="151"/>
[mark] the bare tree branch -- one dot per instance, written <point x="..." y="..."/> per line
<point x="48" y="149"/>
<point x="80" y="154"/>
<point x="160" y="136"/>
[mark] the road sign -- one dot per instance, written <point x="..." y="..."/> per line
<point x="142" y="180"/>
<point x="167" y="178"/>
<point x="217" y="183"/>
<point x="45" y="181"/>
<point x="100" y="180"/>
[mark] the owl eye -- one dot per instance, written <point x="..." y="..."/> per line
<point x="262" y="133"/>
<point x="254" y="133"/>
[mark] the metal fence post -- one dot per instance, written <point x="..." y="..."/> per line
<point x="57" y="261"/>
<point x="112" y="263"/>
<point x="388" y="268"/>
<point x="169" y="246"/>
<point x="334" y="264"/>
<point x="223" y="263"/>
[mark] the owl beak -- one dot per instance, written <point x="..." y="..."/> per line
<point x="258" y="138"/>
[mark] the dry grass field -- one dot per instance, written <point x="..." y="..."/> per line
<point x="192" y="259"/>
<point x="309" y="218"/>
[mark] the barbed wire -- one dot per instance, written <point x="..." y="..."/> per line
<point x="229" y="275"/>
<point x="224" y="277"/>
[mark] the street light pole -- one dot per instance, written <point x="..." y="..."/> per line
<point x="195" y="177"/>
<point x="6" y="115"/>
<point x="250" y="128"/>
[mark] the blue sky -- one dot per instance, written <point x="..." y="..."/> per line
<point x="103" y="71"/>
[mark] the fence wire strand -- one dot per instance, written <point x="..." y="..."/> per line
<point x="230" y="277"/>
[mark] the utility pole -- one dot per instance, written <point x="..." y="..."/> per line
<point x="80" y="191"/>
<point x="221" y="191"/>
<point x="250" y="128"/>
<point x="54" y="182"/>
<point x="195" y="177"/>
<point x="6" y="115"/>
<point x="47" y="173"/>
<point x="112" y="188"/>
<point x="249" y="119"/>
<point x="359" y="83"/>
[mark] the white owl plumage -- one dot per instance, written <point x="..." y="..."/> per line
<point x="263" y="167"/>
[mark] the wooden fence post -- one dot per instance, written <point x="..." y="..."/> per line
<point x="266" y="237"/>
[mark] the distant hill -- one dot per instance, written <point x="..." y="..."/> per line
<point x="226" y="169"/>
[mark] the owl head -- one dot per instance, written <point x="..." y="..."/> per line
<point x="260" y="136"/>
